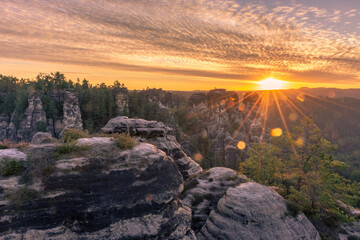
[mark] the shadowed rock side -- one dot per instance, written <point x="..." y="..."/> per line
<point x="156" y="133"/>
<point x="254" y="211"/>
<point x="101" y="193"/>
<point x="202" y="193"/>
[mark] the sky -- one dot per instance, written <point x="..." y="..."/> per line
<point x="184" y="44"/>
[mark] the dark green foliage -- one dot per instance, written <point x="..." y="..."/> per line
<point x="124" y="141"/>
<point x="97" y="104"/>
<point x="11" y="167"/>
<point x="304" y="171"/>
<point x="23" y="195"/>
<point x="141" y="107"/>
<point x="2" y="146"/>
<point x="41" y="126"/>
<point x="337" y="117"/>
<point x="53" y="110"/>
<point x="71" y="135"/>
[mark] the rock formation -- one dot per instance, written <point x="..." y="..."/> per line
<point x="92" y="189"/>
<point x="102" y="193"/>
<point x="35" y="118"/>
<point x="202" y="193"/>
<point x="121" y="100"/>
<point x="34" y="115"/>
<point x="254" y="211"/>
<point x="156" y="133"/>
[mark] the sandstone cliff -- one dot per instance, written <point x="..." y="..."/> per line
<point x="96" y="190"/>
<point x="35" y="119"/>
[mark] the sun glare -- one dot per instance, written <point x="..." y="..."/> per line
<point x="272" y="84"/>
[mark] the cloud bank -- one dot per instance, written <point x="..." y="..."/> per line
<point x="220" y="39"/>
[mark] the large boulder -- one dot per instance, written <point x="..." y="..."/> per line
<point x="136" y="127"/>
<point x="254" y="211"/>
<point x="202" y="193"/>
<point x="113" y="194"/>
<point x="41" y="137"/>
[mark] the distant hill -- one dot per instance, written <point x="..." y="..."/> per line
<point x="332" y="92"/>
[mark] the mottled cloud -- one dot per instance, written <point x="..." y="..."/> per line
<point x="239" y="40"/>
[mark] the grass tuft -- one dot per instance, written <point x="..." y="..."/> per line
<point x="124" y="141"/>
<point x="11" y="167"/>
<point x="71" y="135"/>
<point x="23" y="195"/>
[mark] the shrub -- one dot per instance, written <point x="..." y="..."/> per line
<point x="11" y="167"/>
<point x="38" y="168"/>
<point x="69" y="147"/>
<point x="124" y="141"/>
<point x="22" y="145"/>
<point x="71" y="135"/>
<point x="6" y="144"/>
<point x="41" y="126"/>
<point x="2" y="146"/>
<point x="23" y="195"/>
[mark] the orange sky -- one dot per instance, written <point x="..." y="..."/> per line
<point x="184" y="45"/>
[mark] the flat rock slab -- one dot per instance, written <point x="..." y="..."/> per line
<point x="136" y="127"/>
<point x="12" y="154"/>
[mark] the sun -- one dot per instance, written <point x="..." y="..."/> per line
<point x="272" y="84"/>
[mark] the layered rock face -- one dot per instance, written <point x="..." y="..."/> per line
<point x="35" y="118"/>
<point x="225" y="119"/>
<point x="94" y="190"/>
<point x="254" y="211"/>
<point x="156" y="133"/>
<point x="202" y="193"/>
<point x="102" y="193"/>
<point x="34" y="114"/>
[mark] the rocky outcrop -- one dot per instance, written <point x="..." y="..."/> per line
<point x="171" y="147"/>
<point x="71" y="109"/>
<point x="254" y="211"/>
<point x="41" y="137"/>
<point x="123" y="194"/>
<point x="136" y="127"/>
<point x="156" y="133"/>
<point x="202" y="193"/>
<point x="12" y="154"/>
<point x="350" y="231"/>
<point x="35" y="119"/>
<point x="121" y="100"/>
<point x="34" y="116"/>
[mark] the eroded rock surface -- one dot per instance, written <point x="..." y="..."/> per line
<point x="157" y="134"/>
<point x="202" y="193"/>
<point x="171" y="147"/>
<point x="41" y="137"/>
<point x="136" y="127"/>
<point x="254" y="211"/>
<point x="124" y="194"/>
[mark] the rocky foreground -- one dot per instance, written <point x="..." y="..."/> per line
<point x="96" y="190"/>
